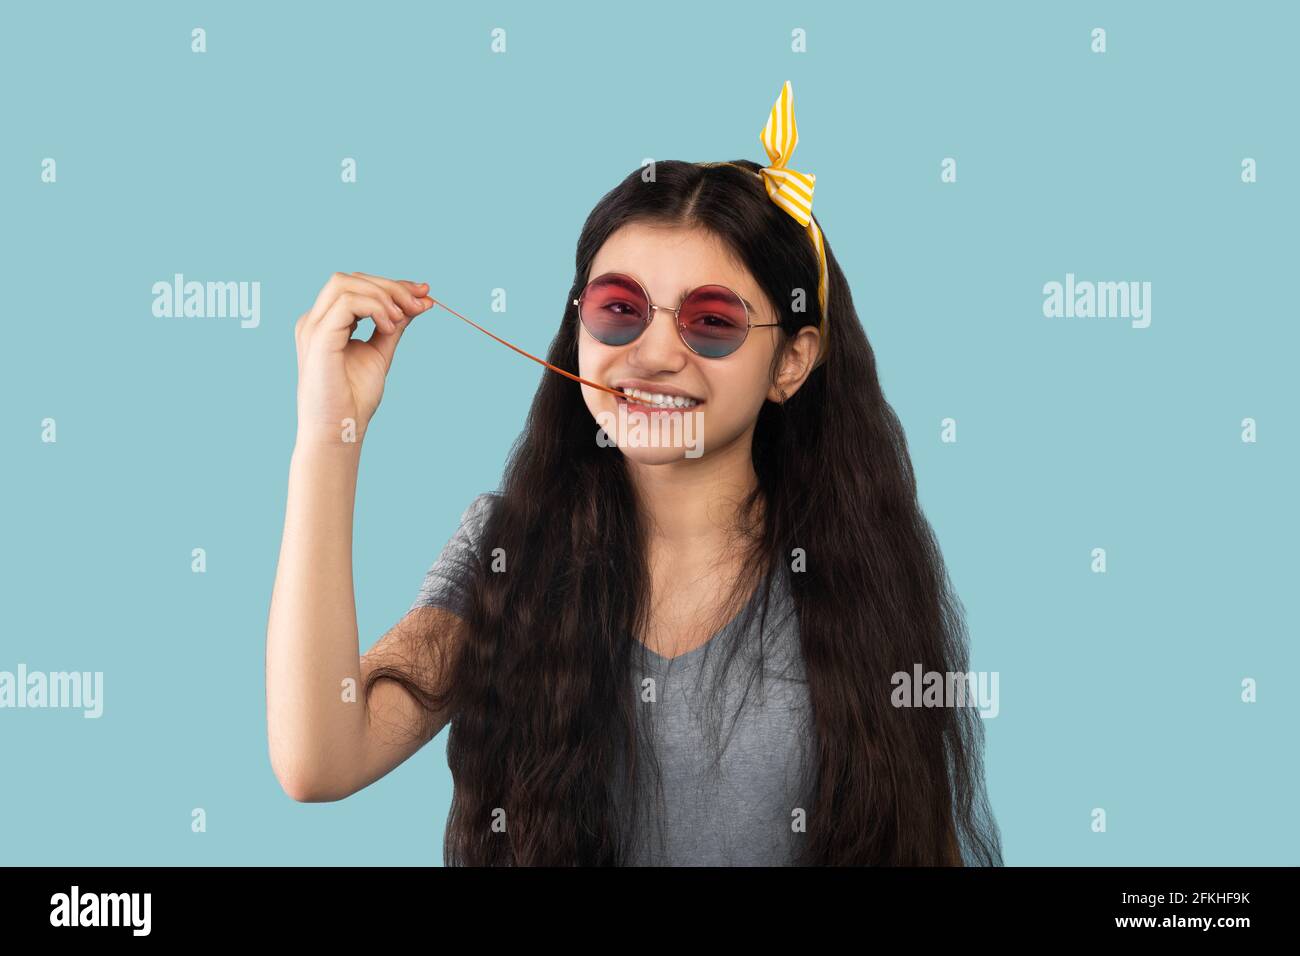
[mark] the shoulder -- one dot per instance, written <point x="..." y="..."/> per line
<point x="447" y="581"/>
<point x="473" y="520"/>
<point x="483" y="503"/>
<point x="476" y="514"/>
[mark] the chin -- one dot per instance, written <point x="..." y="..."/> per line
<point x="653" y="438"/>
<point x="657" y="456"/>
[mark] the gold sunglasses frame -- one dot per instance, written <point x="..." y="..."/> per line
<point x="677" y="313"/>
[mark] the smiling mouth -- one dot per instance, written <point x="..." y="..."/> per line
<point x="657" y="402"/>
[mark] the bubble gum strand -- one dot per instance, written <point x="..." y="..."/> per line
<point x="576" y="378"/>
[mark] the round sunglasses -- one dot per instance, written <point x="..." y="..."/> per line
<point x="712" y="320"/>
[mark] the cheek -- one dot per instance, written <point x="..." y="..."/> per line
<point x="586" y="361"/>
<point x="592" y="357"/>
<point x="593" y="364"/>
<point x="740" y="389"/>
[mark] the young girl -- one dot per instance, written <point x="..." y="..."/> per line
<point x="649" y="655"/>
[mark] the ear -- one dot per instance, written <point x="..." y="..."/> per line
<point x="796" y="363"/>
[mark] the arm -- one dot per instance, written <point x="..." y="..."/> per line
<point x="323" y="743"/>
<point x="326" y="744"/>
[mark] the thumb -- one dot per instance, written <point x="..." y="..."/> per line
<point x="386" y="342"/>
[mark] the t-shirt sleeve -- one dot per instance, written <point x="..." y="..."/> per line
<point x="446" y="583"/>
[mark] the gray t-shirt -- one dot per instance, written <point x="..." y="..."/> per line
<point x="743" y="806"/>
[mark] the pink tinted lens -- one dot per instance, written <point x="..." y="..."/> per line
<point x="714" y="321"/>
<point x="614" y="309"/>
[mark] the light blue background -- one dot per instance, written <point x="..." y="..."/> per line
<point x="476" y="171"/>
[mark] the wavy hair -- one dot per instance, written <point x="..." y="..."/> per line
<point x="544" y="712"/>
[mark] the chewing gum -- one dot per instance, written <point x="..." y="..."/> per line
<point x="576" y="378"/>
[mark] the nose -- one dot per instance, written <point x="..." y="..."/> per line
<point x="659" y="347"/>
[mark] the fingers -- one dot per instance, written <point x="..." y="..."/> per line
<point x="335" y="325"/>
<point x="389" y="302"/>
<point x="408" y="294"/>
<point x="340" y="283"/>
<point x="386" y="342"/>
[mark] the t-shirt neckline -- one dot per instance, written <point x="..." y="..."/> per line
<point x="696" y="653"/>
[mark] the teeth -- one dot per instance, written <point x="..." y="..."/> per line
<point x="659" y="400"/>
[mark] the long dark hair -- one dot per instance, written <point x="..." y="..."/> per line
<point x="544" y="712"/>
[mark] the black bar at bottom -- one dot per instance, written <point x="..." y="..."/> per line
<point x="370" y="904"/>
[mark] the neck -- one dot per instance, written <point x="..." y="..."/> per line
<point x="692" y="503"/>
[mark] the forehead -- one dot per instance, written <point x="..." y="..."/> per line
<point x="670" y="260"/>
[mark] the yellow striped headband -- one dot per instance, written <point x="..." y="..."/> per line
<point x="790" y="189"/>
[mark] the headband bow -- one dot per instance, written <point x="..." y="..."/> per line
<point x="790" y="189"/>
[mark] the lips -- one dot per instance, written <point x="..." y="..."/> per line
<point x="658" y="396"/>
<point x="658" y="399"/>
<point x="652" y="388"/>
<point x="637" y="405"/>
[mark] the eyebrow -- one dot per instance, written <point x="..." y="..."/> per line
<point x="682" y="295"/>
